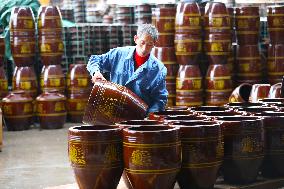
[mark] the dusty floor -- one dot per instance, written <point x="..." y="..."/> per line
<point x="35" y="159"/>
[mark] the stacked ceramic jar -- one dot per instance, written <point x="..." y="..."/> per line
<point x="125" y="14"/>
<point x="78" y="90"/>
<point x="248" y="61"/>
<point x="50" y="105"/>
<point x="18" y="104"/>
<point x="163" y="17"/>
<point x="3" y="78"/>
<point x="188" y="44"/>
<point x="275" y="20"/>
<point x="217" y="46"/>
<point x="92" y="12"/>
<point x="143" y="14"/>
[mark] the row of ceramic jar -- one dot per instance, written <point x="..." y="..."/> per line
<point x="22" y="35"/>
<point x="50" y="109"/>
<point x="190" y="151"/>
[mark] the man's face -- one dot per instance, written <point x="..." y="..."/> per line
<point x="144" y="44"/>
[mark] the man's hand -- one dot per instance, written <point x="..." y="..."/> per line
<point x="97" y="75"/>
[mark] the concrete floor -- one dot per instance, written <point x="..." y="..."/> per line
<point x="35" y="159"/>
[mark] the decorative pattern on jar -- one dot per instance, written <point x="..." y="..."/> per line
<point x="275" y="63"/>
<point x="275" y="24"/>
<point x="218" y="85"/>
<point x="189" y="86"/>
<point x="17" y="110"/>
<point x="151" y="154"/>
<point x="22" y="36"/>
<point x="248" y="64"/>
<point x="24" y="78"/>
<point x="51" y="45"/>
<point x="247" y="25"/>
<point x="202" y="153"/>
<point x="51" y="109"/>
<point x="3" y="83"/>
<point x="95" y="151"/>
<point x="52" y="77"/>
<point x="76" y="104"/>
<point x="164" y="20"/>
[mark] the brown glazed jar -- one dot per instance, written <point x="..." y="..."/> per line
<point x="95" y="154"/>
<point x="259" y="91"/>
<point x="274" y="131"/>
<point x="247" y="25"/>
<point x="188" y="18"/>
<point x="218" y="85"/>
<point x="2" y="50"/>
<point x="162" y="115"/>
<point x="248" y="64"/>
<point x="243" y="148"/>
<point x="152" y="156"/>
<point x="51" y="109"/>
<point x="241" y="93"/>
<point x="187" y="48"/>
<point x="111" y="103"/>
<point x="275" y="91"/>
<point x="202" y="153"/>
<point x="3" y="83"/>
<point x="167" y="56"/>
<point x="189" y="86"/>
<point x="75" y="105"/>
<point x="217" y="47"/>
<point x="22" y="22"/>
<point x="17" y="110"/>
<point x="52" y="77"/>
<point x="216" y="18"/>
<point x="49" y="17"/>
<point x="24" y="78"/>
<point x="275" y="63"/>
<point x="275" y="21"/>
<point x="78" y="78"/>
<point x="164" y="20"/>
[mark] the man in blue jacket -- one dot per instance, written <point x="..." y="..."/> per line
<point x="136" y="68"/>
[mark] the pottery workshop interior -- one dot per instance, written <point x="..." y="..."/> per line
<point x="144" y="94"/>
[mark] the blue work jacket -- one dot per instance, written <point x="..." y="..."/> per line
<point x="147" y="81"/>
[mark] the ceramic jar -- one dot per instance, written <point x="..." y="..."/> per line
<point x="152" y="156"/>
<point x="17" y="110"/>
<point x="75" y="106"/>
<point x="275" y="62"/>
<point x="52" y="77"/>
<point x="2" y="50"/>
<point x="3" y="83"/>
<point x="110" y="103"/>
<point x="275" y="20"/>
<point x="241" y="93"/>
<point x="95" y="154"/>
<point x="51" y="109"/>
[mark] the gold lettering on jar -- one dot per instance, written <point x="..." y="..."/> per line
<point x="271" y="65"/>
<point x="25" y="85"/>
<point x="40" y="108"/>
<point x="219" y="84"/>
<point x="194" y="21"/>
<point x="54" y="82"/>
<point x="29" y="24"/>
<point x="28" y="108"/>
<point x="277" y="22"/>
<point x="76" y="154"/>
<point x="82" y="82"/>
<point x="59" y="106"/>
<point x="80" y="106"/>
<point x="3" y="85"/>
<point x="141" y="158"/>
<point x="196" y="83"/>
<point x="45" y="48"/>
<point x="179" y="84"/>
<point x="112" y="154"/>
<point x="180" y="47"/>
<point x="248" y="145"/>
<point x="108" y="108"/>
<point x="169" y="26"/>
<point x="244" y="67"/>
<point x="25" y="49"/>
<point x="217" y="22"/>
<point x="60" y="46"/>
<point x="8" y="109"/>
<point x="243" y="23"/>
<point x="217" y="47"/>
<point x="233" y="99"/>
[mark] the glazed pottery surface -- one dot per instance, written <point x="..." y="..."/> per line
<point x="241" y="93"/>
<point x="259" y="91"/>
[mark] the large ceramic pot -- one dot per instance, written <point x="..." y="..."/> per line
<point x="189" y="86"/>
<point x="49" y="17"/>
<point x="76" y="104"/>
<point x="110" y="103"/>
<point x="243" y="148"/>
<point x="188" y="18"/>
<point x="241" y="93"/>
<point x="95" y="153"/>
<point x="275" y="91"/>
<point x="202" y="153"/>
<point x="24" y="78"/>
<point x="2" y="50"/>
<point x="51" y="109"/>
<point x="17" y="110"/>
<point x="274" y="132"/>
<point x="247" y="25"/>
<point x="259" y="91"/>
<point x="275" y="63"/>
<point x="52" y="77"/>
<point x="152" y="156"/>
<point x="3" y="83"/>
<point x="275" y="20"/>
<point x="164" y="20"/>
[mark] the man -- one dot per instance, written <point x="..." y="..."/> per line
<point x="136" y="68"/>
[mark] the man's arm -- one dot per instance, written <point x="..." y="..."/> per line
<point x="159" y="95"/>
